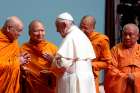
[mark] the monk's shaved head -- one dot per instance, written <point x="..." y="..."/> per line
<point x="89" y="19"/>
<point x="13" y="28"/>
<point x="34" y="23"/>
<point x="13" y="20"/>
<point x="87" y="24"/>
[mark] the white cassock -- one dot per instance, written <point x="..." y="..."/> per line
<point x="76" y="53"/>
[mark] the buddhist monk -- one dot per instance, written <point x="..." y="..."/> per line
<point x="9" y="55"/>
<point x="38" y="78"/>
<point x="100" y="44"/>
<point x="124" y="73"/>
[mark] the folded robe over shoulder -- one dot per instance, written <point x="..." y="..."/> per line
<point x="9" y="65"/>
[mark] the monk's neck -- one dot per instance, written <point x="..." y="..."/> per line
<point x="33" y="42"/>
<point x="89" y="33"/>
<point x="129" y="47"/>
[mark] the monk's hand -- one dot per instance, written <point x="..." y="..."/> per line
<point x="130" y="78"/>
<point x="95" y="66"/>
<point x="48" y="57"/>
<point x="57" y="59"/>
<point x="24" y="71"/>
<point x="25" y="58"/>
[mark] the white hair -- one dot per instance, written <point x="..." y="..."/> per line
<point x="131" y="25"/>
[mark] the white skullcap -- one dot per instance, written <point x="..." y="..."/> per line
<point x="66" y="16"/>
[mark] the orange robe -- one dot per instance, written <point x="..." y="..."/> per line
<point x="103" y="55"/>
<point x="9" y="65"/>
<point x="124" y="61"/>
<point x="35" y="82"/>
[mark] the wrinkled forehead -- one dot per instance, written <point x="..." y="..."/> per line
<point x="36" y="25"/>
<point x="131" y="29"/>
<point x="20" y="25"/>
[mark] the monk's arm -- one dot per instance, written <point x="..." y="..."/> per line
<point x="97" y="65"/>
<point x="113" y="67"/>
<point x="105" y="58"/>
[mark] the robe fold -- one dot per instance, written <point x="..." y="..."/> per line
<point x="101" y="47"/>
<point x="76" y="54"/>
<point x="38" y="76"/>
<point x="9" y="65"/>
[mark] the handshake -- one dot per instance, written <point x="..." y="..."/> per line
<point x="62" y="61"/>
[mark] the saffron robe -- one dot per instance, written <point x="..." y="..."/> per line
<point x="101" y="47"/>
<point x="9" y="65"/>
<point x="124" y="61"/>
<point x="35" y="81"/>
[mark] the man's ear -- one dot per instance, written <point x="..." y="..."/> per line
<point x="138" y="37"/>
<point x="8" y="28"/>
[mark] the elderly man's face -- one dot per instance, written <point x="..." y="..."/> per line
<point x="61" y="28"/>
<point x="15" y="31"/>
<point x="37" y="32"/>
<point x="130" y="37"/>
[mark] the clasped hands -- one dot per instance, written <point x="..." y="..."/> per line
<point x="47" y="57"/>
<point x="63" y="68"/>
<point x="25" y="58"/>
